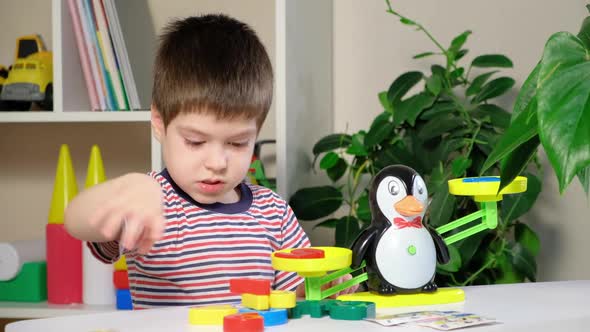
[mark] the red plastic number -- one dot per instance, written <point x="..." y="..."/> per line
<point x="302" y="253"/>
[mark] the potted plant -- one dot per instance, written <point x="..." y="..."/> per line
<point x="450" y="128"/>
<point x="552" y="109"/>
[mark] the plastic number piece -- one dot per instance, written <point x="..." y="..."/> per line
<point x="256" y="302"/>
<point x="210" y="315"/>
<point x="245" y="322"/>
<point x="272" y="317"/>
<point x="316" y="309"/>
<point x="302" y="253"/>
<point x="352" y="310"/>
<point x="282" y="299"/>
<point x="250" y="286"/>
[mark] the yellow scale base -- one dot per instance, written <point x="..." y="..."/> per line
<point x="441" y="296"/>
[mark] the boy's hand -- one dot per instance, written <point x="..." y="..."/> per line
<point x="133" y="215"/>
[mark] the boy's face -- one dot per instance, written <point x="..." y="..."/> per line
<point x="207" y="157"/>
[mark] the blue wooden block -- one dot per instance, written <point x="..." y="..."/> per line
<point x="124" y="299"/>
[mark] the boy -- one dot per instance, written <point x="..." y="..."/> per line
<point x="190" y="228"/>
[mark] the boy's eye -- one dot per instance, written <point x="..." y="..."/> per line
<point x="238" y="144"/>
<point x="193" y="143"/>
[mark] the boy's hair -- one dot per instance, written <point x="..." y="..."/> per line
<point x="212" y="63"/>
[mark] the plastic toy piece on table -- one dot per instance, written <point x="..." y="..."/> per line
<point x="313" y="308"/>
<point x="244" y="322"/>
<point x="352" y="310"/>
<point x="257" y="302"/>
<point x="272" y="317"/>
<point x="211" y="315"/>
<point x="485" y="191"/>
<point x="250" y="286"/>
<point x="314" y="270"/>
<point x="441" y="296"/>
<point x="302" y="253"/>
<point x="121" y="264"/>
<point x="30" y="285"/>
<point x="124" y="299"/>
<point x="336" y="309"/>
<point x="121" y="279"/>
<point x="282" y="299"/>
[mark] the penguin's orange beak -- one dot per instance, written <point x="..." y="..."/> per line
<point x="409" y="206"/>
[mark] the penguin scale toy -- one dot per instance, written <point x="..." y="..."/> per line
<point x="399" y="250"/>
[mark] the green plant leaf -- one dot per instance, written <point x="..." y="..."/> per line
<point x="499" y="117"/>
<point x="517" y="161"/>
<point x="584" y="33"/>
<point x="527" y="95"/>
<point x="315" y="202"/>
<point x="328" y="223"/>
<point x="508" y="274"/>
<point x="458" y="42"/>
<point x="584" y="177"/>
<point x="434" y="84"/>
<point x="456" y="74"/>
<point x="478" y="82"/>
<point x="347" y="229"/>
<point x="460" y="165"/>
<point x="391" y="155"/>
<point x="454" y="263"/>
<point x="363" y="211"/>
<point x="357" y="148"/>
<point x="423" y="55"/>
<point x="441" y="208"/>
<point x="331" y="142"/>
<point x="515" y="206"/>
<point x="401" y="86"/>
<point x="329" y="160"/>
<point x="385" y="102"/>
<point x="414" y="105"/>
<point x="407" y="21"/>
<point x="439" y="107"/>
<point x="380" y="130"/>
<point x="461" y="54"/>
<point x="469" y="246"/>
<point x="440" y="125"/>
<point x="524" y="262"/>
<point x="520" y="131"/>
<point x="563" y="96"/>
<point x="527" y="238"/>
<point x="337" y="171"/>
<point x="494" y="89"/>
<point x="492" y="60"/>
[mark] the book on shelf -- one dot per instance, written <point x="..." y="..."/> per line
<point x="103" y="55"/>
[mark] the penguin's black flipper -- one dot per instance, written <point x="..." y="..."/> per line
<point x="442" y="251"/>
<point x="360" y="246"/>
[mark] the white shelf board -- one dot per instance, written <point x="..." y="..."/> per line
<point x="44" y="310"/>
<point x="41" y="116"/>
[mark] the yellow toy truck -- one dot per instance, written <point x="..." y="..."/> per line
<point x="30" y="78"/>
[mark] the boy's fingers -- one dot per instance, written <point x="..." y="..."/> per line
<point x="131" y="233"/>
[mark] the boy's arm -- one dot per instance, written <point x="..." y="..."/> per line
<point x="98" y="213"/>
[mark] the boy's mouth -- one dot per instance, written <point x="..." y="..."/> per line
<point x="211" y="186"/>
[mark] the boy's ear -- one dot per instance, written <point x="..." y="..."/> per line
<point x="157" y="123"/>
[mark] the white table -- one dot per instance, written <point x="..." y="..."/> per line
<point x="549" y="306"/>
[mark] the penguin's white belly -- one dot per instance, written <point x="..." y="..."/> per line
<point x="406" y="257"/>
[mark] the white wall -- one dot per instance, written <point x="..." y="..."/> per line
<point x="371" y="48"/>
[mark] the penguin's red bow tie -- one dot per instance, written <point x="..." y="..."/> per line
<point x="402" y="223"/>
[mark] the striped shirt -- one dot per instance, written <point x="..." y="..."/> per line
<point x="206" y="245"/>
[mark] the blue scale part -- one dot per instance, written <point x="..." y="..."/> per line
<point x="482" y="179"/>
<point x="272" y="317"/>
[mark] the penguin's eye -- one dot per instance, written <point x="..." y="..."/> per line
<point x="420" y="190"/>
<point x="393" y="188"/>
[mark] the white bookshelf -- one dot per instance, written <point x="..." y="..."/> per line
<point x="300" y="45"/>
<point x="81" y="116"/>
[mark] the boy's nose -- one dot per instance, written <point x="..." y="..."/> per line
<point x="216" y="161"/>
